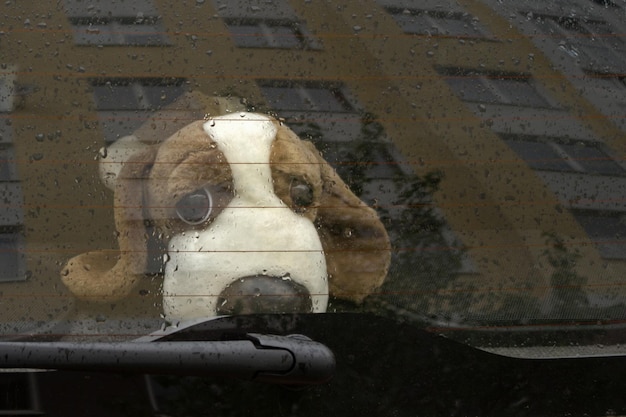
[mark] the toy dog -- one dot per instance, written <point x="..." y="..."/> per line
<point x="251" y="218"/>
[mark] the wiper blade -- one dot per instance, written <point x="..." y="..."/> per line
<point x="285" y="360"/>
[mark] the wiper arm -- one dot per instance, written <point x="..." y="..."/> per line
<point x="287" y="360"/>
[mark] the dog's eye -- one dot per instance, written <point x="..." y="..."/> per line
<point x="301" y="194"/>
<point x="195" y="207"/>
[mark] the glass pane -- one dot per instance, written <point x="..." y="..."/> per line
<point x="116" y="97"/>
<point x="283" y="98"/>
<point x="326" y="100"/>
<point x="284" y="37"/>
<point x="7" y="165"/>
<point x="162" y="163"/>
<point x="414" y="23"/>
<point x="12" y="261"/>
<point x="593" y="160"/>
<point x="249" y="36"/>
<point x="143" y="34"/>
<point x="157" y="96"/>
<point x="472" y="88"/>
<point x="520" y="92"/>
<point x="608" y="230"/>
<point x="94" y="35"/>
<point x="540" y="155"/>
<point x="454" y="25"/>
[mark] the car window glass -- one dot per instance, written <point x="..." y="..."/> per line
<point x="454" y="163"/>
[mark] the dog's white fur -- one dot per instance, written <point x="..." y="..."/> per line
<point x="258" y="232"/>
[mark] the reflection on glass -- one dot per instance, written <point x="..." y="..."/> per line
<point x="487" y="140"/>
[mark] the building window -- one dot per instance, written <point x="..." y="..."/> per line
<point x="608" y="92"/>
<point x="554" y="154"/>
<point x="11" y="253"/>
<point x="314" y="109"/>
<point x="267" y="24"/>
<point x="136" y="31"/>
<point x="354" y="142"/>
<point x="591" y="42"/>
<point x="444" y="23"/>
<point x="116" y="23"/>
<point x="495" y="88"/>
<point x="327" y="114"/>
<point x="11" y="199"/>
<point x="8" y="170"/>
<point x="7" y="87"/>
<point x="136" y="93"/>
<point x="604" y="3"/>
<point x="124" y="104"/>
<point x="269" y="33"/>
<point x="606" y="229"/>
<point x="310" y="97"/>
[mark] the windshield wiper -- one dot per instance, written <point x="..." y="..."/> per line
<point x="285" y="360"/>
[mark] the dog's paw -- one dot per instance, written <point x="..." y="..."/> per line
<point x="98" y="276"/>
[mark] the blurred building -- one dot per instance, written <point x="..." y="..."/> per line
<point x="491" y="137"/>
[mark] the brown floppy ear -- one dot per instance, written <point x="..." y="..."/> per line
<point x="109" y="275"/>
<point x="356" y="244"/>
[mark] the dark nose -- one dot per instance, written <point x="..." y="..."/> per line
<point x="264" y="294"/>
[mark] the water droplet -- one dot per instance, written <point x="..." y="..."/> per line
<point x="40" y="137"/>
<point x="212" y="122"/>
<point x="110" y="177"/>
<point x="103" y="152"/>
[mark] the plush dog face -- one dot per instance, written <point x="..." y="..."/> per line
<point x="252" y="219"/>
<point x="212" y="188"/>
